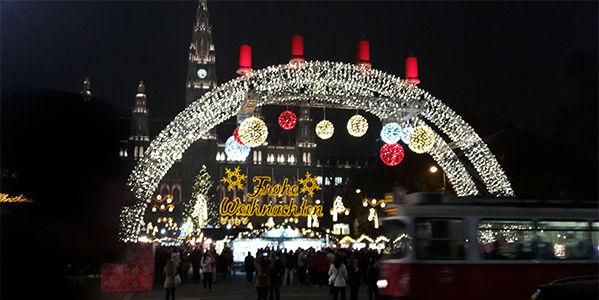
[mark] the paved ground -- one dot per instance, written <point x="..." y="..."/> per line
<point x="231" y="288"/>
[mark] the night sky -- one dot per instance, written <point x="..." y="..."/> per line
<point x="507" y="58"/>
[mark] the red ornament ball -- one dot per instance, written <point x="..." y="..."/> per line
<point x="287" y="120"/>
<point x="236" y="136"/>
<point x="392" y="154"/>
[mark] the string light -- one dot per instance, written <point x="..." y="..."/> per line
<point x="236" y="151"/>
<point x="253" y="132"/>
<point x="332" y="84"/>
<point x="357" y="126"/>
<point x="391" y="133"/>
<point x="287" y="120"/>
<point x="236" y="136"/>
<point x="404" y="134"/>
<point x="421" y="139"/>
<point x="325" y="129"/>
<point x="392" y="154"/>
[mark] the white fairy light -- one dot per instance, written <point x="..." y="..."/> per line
<point x="325" y="129"/>
<point x="421" y="139"/>
<point x="253" y="132"/>
<point x="330" y="84"/>
<point x="357" y="126"/>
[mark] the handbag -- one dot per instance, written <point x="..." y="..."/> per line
<point x="177" y="279"/>
<point x="332" y="279"/>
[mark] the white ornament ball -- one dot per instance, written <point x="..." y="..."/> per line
<point x="253" y="132"/>
<point x="421" y="139"/>
<point x="357" y="126"/>
<point x="325" y="129"/>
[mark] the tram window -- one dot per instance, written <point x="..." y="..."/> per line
<point x="400" y="243"/>
<point x="564" y="240"/>
<point x="595" y="237"/>
<point x="440" y="238"/>
<point x="506" y="239"/>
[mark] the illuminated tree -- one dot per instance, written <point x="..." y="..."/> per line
<point x="201" y="209"/>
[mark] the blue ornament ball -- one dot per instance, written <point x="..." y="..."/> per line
<point x="391" y="133"/>
<point x="236" y="151"/>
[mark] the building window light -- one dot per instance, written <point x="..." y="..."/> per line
<point x="338" y="180"/>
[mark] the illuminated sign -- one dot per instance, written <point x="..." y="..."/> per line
<point x="252" y="207"/>
<point x="20" y="198"/>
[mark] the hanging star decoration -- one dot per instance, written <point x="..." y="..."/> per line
<point x="234" y="179"/>
<point x="309" y="185"/>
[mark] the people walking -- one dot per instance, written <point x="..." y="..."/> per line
<point x="290" y="263"/>
<point x="355" y="277"/>
<point x="302" y="266"/>
<point x="170" y="274"/>
<point x="276" y="276"/>
<point x="249" y="267"/>
<point x="338" y="278"/>
<point x="263" y="269"/>
<point x="207" y="264"/>
<point x="196" y="259"/>
<point x="372" y="275"/>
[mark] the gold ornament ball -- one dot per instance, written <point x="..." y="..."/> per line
<point x="357" y="126"/>
<point x="253" y="132"/>
<point x="325" y="129"/>
<point x="421" y="139"/>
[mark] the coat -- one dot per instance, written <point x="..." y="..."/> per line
<point x="263" y="270"/>
<point x="207" y="263"/>
<point x="338" y="277"/>
<point x="170" y="271"/>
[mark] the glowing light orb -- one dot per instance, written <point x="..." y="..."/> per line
<point x="391" y="133"/>
<point x="325" y="129"/>
<point x="421" y="139"/>
<point x="236" y="151"/>
<point x="287" y="120"/>
<point x="357" y="126"/>
<point x="236" y="136"/>
<point x="404" y="134"/>
<point x="392" y="154"/>
<point x="253" y="132"/>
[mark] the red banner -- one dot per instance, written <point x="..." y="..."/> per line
<point x="134" y="273"/>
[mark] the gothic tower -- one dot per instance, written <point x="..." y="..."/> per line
<point x="201" y="72"/>
<point x="305" y="138"/>
<point x="139" y="139"/>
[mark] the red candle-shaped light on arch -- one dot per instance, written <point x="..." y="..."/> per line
<point x="412" y="70"/>
<point x="297" y="48"/>
<point x="363" y="53"/>
<point x="245" y="59"/>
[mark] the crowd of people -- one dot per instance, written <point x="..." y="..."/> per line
<point x="204" y="265"/>
<point x="337" y="268"/>
<point x="269" y="270"/>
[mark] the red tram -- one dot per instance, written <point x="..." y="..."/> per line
<point x="476" y="249"/>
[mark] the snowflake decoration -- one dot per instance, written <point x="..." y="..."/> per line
<point x="238" y="178"/>
<point x="309" y="185"/>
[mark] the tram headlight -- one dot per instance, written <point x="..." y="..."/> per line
<point x="382" y="283"/>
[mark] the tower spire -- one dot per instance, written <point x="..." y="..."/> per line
<point x="201" y="70"/>
<point x="139" y="121"/>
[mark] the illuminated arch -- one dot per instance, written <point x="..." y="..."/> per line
<point x="330" y="84"/>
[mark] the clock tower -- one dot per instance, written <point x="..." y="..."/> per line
<point x="201" y="72"/>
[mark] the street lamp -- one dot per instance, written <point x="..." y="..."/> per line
<point x="434" y="169"/>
